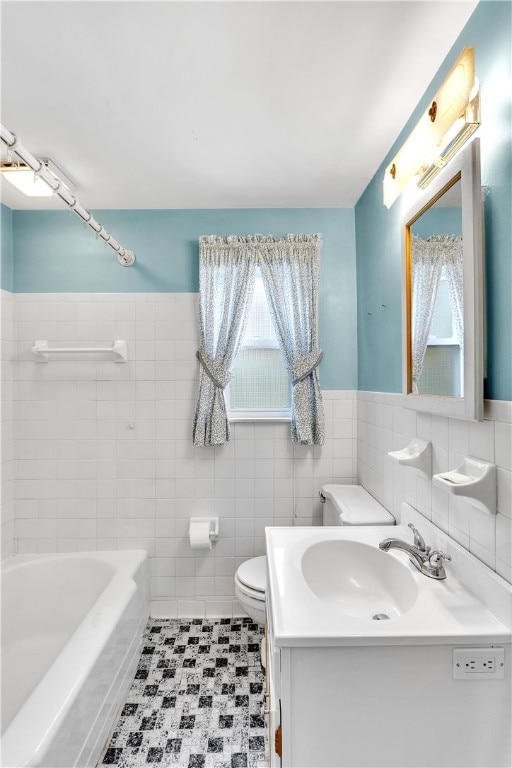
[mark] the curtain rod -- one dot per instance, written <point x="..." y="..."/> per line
<point x="125" y="257"/>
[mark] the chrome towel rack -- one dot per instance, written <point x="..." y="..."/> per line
<point x="119" y="349"/>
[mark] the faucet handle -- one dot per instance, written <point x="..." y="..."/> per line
<point x="419" y="541"/>
<point x="436" y="558"/>
<point x="435" y="568"/>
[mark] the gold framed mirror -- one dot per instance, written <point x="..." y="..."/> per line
<point x="443" y="293"/>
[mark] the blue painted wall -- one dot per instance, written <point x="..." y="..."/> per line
<point x="54" y="252"/>
<point x="6" y="276"/>
<point x="489" y="30"/>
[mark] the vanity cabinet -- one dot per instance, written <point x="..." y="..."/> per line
<point x="272" y="705"/>
<point x="394" y="705"/>
<point x="341" y="705"/>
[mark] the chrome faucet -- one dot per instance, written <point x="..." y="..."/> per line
<point x="429" y="562"/>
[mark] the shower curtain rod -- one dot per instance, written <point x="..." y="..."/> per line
<point x="125" y="257"/>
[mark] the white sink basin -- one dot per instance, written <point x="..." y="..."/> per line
<point x="359" y="580"/>
<point x="325" y="585"/>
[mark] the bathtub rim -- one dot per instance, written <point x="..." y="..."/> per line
<point x="64" y="676"/>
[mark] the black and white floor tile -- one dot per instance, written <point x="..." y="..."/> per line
<point x="196" y="698"/>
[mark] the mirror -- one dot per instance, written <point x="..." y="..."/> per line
<point x="443" y="294"/>
<point x="437" y="301"/>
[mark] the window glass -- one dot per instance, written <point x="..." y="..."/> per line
<point x="260" y="387"/>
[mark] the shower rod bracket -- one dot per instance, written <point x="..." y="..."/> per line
<point x="127" y="259"/>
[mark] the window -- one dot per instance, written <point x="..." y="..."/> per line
<point x="265" y="385"/>
<point x="260" y="387"/>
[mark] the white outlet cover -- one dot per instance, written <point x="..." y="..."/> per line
<point x="478" y="663"/>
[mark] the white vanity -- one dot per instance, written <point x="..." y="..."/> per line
<point x="401" y="689"/>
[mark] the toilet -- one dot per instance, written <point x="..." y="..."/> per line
<point x="250" y="585"/>
<point x="352" y="505"/>
<point x="342" y="505"/>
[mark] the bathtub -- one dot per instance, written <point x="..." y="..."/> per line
<point x="71" y="631"/>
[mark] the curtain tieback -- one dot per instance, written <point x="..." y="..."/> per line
<point x="213" y="369"/>
<point x="302" y="366"/>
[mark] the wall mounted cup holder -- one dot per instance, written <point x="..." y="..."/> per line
<point x="474" y="480"/>
<point x="417" y="455"/>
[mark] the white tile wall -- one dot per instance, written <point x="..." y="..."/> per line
<point x="105" y="458"/>
<point x="383" y="425"/>
<point x="7" y="425"/>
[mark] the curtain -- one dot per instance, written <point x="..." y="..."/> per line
<point x="290" y="268"/>
<point x="429" y="258"/>
<point x="226" y="279"/>
<point x="454" y="270"/>
<point x="425" y="276"/>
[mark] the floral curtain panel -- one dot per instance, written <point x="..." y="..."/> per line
<point x="426" y="273"/>
<point x="453" y="265"/>
<point x="289" y="268"/>
<point x="226" y="280"/>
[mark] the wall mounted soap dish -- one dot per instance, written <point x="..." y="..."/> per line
<point x="417" y="455"/>
<point x="475" y="480"/>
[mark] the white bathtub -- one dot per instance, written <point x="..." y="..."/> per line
<point x="71" y="630"/>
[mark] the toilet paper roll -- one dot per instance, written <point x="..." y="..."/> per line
<point x="200" y="535"/>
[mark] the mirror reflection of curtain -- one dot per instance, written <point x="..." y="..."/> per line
<point x="453" y="267"/>
<point x="428" y="258"/>
<point x="425" y="276"/>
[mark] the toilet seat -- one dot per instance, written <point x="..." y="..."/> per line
<point x="253" y="574"/>
<point x="250" y="586"/>
<point x="255" y="594"/>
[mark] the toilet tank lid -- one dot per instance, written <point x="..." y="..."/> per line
<point x="356" y="506"/>
<point x="253" y="573"/>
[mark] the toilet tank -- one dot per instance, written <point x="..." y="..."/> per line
<point x="352" y="505"/>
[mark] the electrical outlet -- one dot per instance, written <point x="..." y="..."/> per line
<point x="478" y="663"/>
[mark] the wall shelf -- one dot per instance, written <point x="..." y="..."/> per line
<point x="417" y="455"/>
<point x="118" y="349"/>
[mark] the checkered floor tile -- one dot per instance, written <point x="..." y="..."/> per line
<point x="196" y="698"/>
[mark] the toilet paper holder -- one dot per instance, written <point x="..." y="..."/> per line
<point x="213" y="525"/>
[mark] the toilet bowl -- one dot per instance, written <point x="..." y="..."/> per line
<point x="342" y="505"/>
<point x="250" y="586"/>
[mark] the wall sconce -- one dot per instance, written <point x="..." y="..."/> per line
<point x="453" y="115"/>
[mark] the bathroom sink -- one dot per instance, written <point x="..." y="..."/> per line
<point x="332" y="586"/>
<point x="358" y="579"/>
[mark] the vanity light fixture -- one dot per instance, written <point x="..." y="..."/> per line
<point x="451" y="118"/>
<point x="29" y="182"/>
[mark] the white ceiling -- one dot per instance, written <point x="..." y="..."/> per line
<point x="217" y="104"/>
